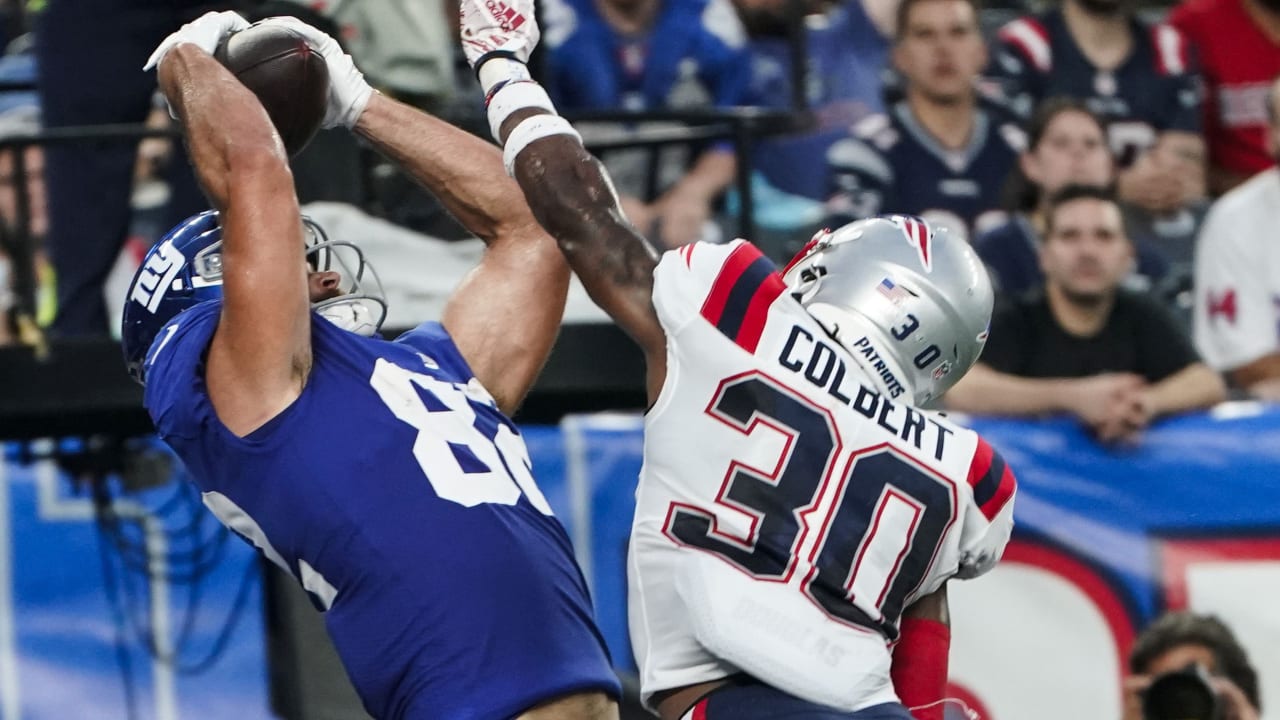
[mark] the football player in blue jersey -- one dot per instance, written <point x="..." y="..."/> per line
<point x="1137" y="76"/>
<point x="943" y="151"/>
<point x="385" y="476"/>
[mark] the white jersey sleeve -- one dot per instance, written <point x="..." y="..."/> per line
<point x="989" y="521"/>
<point x="700" y="279"/>
<point x="1237" y="304"/>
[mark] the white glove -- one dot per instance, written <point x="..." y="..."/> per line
<point x="498" y="26"/>
<point x="349" y="93"/>
<point x="205" y="32"/>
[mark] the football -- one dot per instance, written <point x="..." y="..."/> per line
<point x="288" y="76"/>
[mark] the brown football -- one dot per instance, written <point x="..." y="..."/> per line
<point x="288" y="76"/>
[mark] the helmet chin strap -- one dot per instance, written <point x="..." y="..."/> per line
<point x="351" y="314"/>
<point x="866" y="343"/>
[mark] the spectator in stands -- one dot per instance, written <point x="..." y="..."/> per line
<point x="1134" y="75"/>
<point x="30" y="230"/>
<point x="1066" y="145"/>
<point x="938" y="153"/>
<point x="847" y="47"/>
<point x="1237" y="43"/>
<point x="90" y="75"/>
<point x="1237" y="288"/>
<point x="1179" y="640"/>
<point x="652" y="55"/>
<point x="1113" y="358"/>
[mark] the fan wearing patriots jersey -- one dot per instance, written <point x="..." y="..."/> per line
<point x="385" y="477"/>
<point x="798" y="514"/>
<point x="940" y="153"/>
<point x="1136" y="76"/>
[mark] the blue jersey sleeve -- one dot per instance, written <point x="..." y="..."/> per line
<point x="436" y="346"/>
<point x="175" y="371"/>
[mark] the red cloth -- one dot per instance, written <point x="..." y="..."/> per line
<point x="919" y="670"/>
<point x="1238" y="62"/>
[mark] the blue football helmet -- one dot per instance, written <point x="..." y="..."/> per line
<point x="184" y="269"/>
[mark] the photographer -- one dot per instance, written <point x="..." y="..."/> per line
<point x="1182" y="655"/>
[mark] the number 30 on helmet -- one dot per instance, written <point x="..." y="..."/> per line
<point x="911" y="300"/>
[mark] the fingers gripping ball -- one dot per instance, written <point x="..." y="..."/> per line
<point x="289" y="77"/>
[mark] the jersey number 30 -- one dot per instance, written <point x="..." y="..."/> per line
<point x="877" y="536"/>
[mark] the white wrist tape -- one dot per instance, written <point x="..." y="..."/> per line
<point x="516" y="95"/>
<point x="501" y="69"/>
<point x="531" y="129"/>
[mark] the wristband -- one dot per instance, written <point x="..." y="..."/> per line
<point x="531" y="129"/>
<point x="498" y="67"/>
<point x="512" y="96"/>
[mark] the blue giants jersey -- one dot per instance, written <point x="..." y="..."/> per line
<point x="400" y="497"/>
<point x="892" y="164"/>
<point x="1153" y="90"/>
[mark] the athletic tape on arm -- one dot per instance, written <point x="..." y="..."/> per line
<point x="531" y="129"/>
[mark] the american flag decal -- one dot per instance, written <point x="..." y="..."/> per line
<point x="896" y="293"/>
<point x="919" y="235"/>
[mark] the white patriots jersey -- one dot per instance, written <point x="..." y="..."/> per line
<point x="788" y="509"/>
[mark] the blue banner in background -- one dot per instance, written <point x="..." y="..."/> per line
<point x="1188" y="517"/>
<point x="76" y="613"/>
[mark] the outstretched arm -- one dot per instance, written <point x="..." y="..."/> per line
<point x="505" y="313"/>
<point x="566" y="187"/>
<point x="260" y="354"/>
<point x="571" y="195"/>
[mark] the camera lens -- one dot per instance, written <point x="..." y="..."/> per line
<point x="1181" y="695"/>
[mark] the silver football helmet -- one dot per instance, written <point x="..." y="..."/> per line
<point x="911" y="302"/>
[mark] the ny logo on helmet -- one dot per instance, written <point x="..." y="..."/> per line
<point x="155" y="277"/>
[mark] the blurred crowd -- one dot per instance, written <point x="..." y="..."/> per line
<point x="1112" y="163"/>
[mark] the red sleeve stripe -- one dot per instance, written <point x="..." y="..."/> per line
<point x="738" y="304"/>
<point x="991" y="479"/>
<point x="687" y="253"/>
<point x="736" y="264"/>
<point x="758" y="312"/>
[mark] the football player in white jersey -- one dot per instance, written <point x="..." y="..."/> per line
<point x="797" y="515"/>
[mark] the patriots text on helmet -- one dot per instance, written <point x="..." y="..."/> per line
<point x="823" y="367"/>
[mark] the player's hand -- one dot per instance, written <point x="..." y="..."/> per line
<point x="205" y="32"/>
<point x="681" y="219"/>
<point x="498" y="27"/>
<point x="349" y="93"/>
